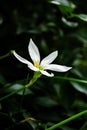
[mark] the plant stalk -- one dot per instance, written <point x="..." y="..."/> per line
<point x="67" y="120"/>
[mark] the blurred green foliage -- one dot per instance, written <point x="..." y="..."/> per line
<point x="53" y="25"/>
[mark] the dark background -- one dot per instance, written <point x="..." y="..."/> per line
<point x="49" y="100"/>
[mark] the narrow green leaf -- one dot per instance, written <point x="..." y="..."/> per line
<point x="55" y="126"/>
<point x="16" y="87"/>
<point x="71" y="79"/>
<point x="81" y="16"/>
<point x="80" y="87"/>
<point x="69" y="23"/>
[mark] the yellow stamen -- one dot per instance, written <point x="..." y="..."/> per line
<point x="36" y="64"/>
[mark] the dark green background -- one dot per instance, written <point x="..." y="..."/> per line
<point x="49" y="100"/>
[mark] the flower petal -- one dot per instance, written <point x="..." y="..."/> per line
<point x="58" y="68"/>
<point x="32" y="67"/>
<point x="46" y="73"/>
<point x="49" y="59"/>
<point x="21" y="59"/>
<point x="33" y="51"/>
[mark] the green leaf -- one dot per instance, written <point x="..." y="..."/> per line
<point x="82" y="105"/>
<point x="69" y="23"/>
<point x="61" y="2"/>
<point x="64" y="6"/>
<point x="16" y="87"/>
<point x="80" y="87"/>
<point x="81" y="66"/>
<point x="46" y="101"/>
<point x="81" y="16"/>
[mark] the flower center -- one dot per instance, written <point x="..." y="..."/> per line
<point x="36" y="64"/>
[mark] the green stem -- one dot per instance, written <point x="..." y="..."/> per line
<point x="71" y="79"/>
<point x="32" y="81"/>
<point x="6" y="55"/>
<point x="7" y="96"/>
<point x="67" y="120"/>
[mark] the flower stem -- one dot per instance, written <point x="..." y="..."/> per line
<point x="6" y="55"/>
<point x="67" y="120"/>
<point x="32" y="81"/>
<point x="12" y="93"/>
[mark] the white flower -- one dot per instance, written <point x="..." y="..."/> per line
<point x="43" y="65"/>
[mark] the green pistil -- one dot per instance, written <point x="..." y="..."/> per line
<point x="40" y="67"/>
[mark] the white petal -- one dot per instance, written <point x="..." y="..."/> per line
<point x="32" y="67"/>
<point x="50" y="58"/>
<point x="33" y="51"/>
<point x="46" y="73"/>
<point x="58" y="68"/>
<point x="21" y="59"/>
